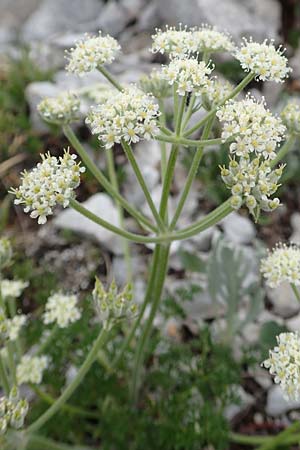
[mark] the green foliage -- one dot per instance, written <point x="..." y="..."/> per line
<point x="267" y="337"/>
<point x="15" y="127"/>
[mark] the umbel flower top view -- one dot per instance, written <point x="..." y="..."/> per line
<point x="111" y="369"/>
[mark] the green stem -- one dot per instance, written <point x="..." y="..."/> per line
<point x="91" y="166"/>
<point x="156" y="288"/>
<point x="188" y="142"/>
<point x="11" y="363"/>
<point x="163" y="147"/>
<point x="284" y="150"/>
<point x="233" y="94"/>
<point x="209" y="220"/>
<point x="180" y="116"/>
<point x="69" y="390"/>
<point x="137" y="322"/>
<point x="129" y="153"/>
<point x="115" y="184"/>
<point x="163" y="209"/>
<point x="296" y="292"/>
<point x="52" y="334"/>
<point x="248" y="440"/>
<point x="69" y="408"/>
<point x="3" y="377"/>
<point x="189" y="111"/>
<point x="110" y="78"/>
<point x="283" y="438"/>
<point x="176" y="106"/>
<point x="191" y="175"/>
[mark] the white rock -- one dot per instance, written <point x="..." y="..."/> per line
<point x="277" y="404"/>
<point x="258" y="18"/>
<point x="53" y="17"/>
<point x="294" y="323"/>
<point x="102" y="206"/>
<point x="238" y="229"/>
<point x="283" y="300"/>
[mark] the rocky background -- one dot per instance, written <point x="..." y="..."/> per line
<point x="46" y="28"/>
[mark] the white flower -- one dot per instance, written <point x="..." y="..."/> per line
<point x="130" y="115"/>
<point x="155" y="84"/>
<point x="264" y="60"/>
<point x="91" y="53"/>
<point x="12" y="288"/>
<point x="252" y="182"/>
<point x="50" y="183"/>
<point x="282" y="264"/>
<point x="62" y="309"/>
<point x="217" y="90"/>
<point x="291" y="117"/>
<point x="61" y="109"/>
<point x="5" y="252"/>
<point x="284" y="364"/>
<point x="253" y="127"/>
<point x="13" y="411"/>
<point x="112" y="304"/>
<point x="14" y="326"/>
<point x="178" y="43"/>
<point x="31" y="368"/>
<point x="189" y="75"/>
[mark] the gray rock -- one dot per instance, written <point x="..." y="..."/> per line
<point x="295" y="223"/>
<point x="294" y="323"/>
<point x="102" y="206"/>
<point x="277" y="404"/>
<point x="113" y="18"/>
<point x="238" y="229"/>
<point x="34" y="93"/>
<point x="284" y="301"/>
<point x="53" y="17"/>
<point x="246" y="400"/>
<point x="240" y="17"/>
<point x="295" y="64"/>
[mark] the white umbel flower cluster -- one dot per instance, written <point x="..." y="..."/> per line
<point x="155" y="84"/>
<point x="12" y="288"/>
<point x="31" y="368"/>
<point x="263" y="60"/>
<point x="112" y="304"/>
<point x="282" y="265"/>
<point x="10" y="328"/>
<point x="61" y="109"/>
<point x="130" y="115"/>
<point x="217" y="91"/>
<point x="284" y="364"/>
<point x="61" y="309"/>
<point x="291" y="117"/>
<point x="253" y="127"/>
<point x="178" y="43"/>
<point x="252" y="182"/>
<point x="50" y="183"/>
<point x="188" y="75"/>
<point x="92" y="52"/>
<point x="13" y="411"/>
<point x="5" y="252"/>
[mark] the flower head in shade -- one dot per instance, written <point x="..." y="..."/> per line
<point x="188" y="75"/>
<point x="92" y="52"/>
<point x="30" y="369"/>
<point x="282" y="264"/>
<point x="216" y="91"/>
<point x="112" y="304"/>
<point x="263" y="60"/>
<point x="12" y="288"/>
<point x="155" y="84"/>
<point x="284" y="364"/>
<point x="13" y="411"/>
<point x="254" y="128"/>
<point x="10" y="328"/>
<point x="291" y="117"/>
<point x="252" y="182"/>
<point x="62" y="309"/>
<point x="50" y="183"/>
<point x="6" y="252"/>
<point x="185" y="41"/>
<point x="130" y="115"/>
<point x="61" y="109"/>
